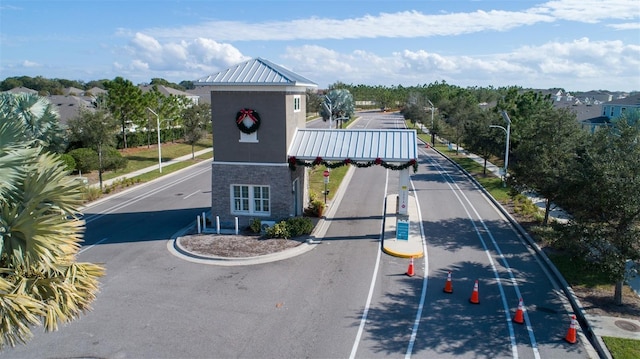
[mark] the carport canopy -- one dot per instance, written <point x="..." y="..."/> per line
<point x="391" y="146"/>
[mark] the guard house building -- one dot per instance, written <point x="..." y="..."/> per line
<point x="256" y="107"/>
<point x="262" y="147"/>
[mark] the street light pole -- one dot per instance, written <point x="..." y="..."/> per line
<point x="159" y="145"/>
<point x="329" y="109"/>
<point x="506" y="153"/>
<point x="507" y="132"/>
<point x="433" y="137"/>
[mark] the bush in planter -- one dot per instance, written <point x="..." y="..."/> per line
<point x="317" y="208"/>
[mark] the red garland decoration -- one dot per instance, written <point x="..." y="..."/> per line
<point x="294" y="162"/>
<point x="253" y="117"/>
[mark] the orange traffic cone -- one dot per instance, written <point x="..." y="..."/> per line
<point x="572" y="332"/>
<point x="411" y="272"/>
<point x="519" y="317"/>
<point x="448" y="287"/>
<point x="474" y="296"/>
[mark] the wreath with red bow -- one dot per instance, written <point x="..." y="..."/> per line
<point x="247" y="120"/>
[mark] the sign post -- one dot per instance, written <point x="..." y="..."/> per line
<point x="325" y="174"/>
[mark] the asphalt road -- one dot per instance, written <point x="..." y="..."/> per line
<point x="342" y="299"/>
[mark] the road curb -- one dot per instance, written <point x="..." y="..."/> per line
<point x="597" y="342"/>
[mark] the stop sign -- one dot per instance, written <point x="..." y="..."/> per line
<point x="325" y="173"/>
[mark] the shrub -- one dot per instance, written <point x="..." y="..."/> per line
<point x="289" y="228"/>
<point x="86" y="159"/>
<point x="69" y="162"/>
<point x="279" y="230"/>
<point x="112" y="160"/>
<point x="524" y="206"/>
<point x="255" y="225"/>
<point x="90" y="193"/>
<point x="299" y="226"/>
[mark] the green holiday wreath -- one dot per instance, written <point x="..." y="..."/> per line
<point x="248" y="115"/>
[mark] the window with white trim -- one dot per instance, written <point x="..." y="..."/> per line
<point x="296" y="103"/>
<point x="249" y="199"/>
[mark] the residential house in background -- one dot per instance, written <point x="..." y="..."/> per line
<point x="168" y="91"/>
<point x="69" y="107"/>
<point x="616" y="108"/>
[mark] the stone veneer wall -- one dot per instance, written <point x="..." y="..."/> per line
<point x="277" y="176"/>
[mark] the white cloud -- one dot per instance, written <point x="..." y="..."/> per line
<point x="572" y="65"/>
<point x="590" y="11"/>
<point x="405" y="24"/>
<point x="179" y="58"/>
<point x="27" y="63"/>
<point x="402" y="24"/>
<point x="626" y="26"/>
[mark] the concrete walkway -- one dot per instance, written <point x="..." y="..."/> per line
<point x="109" y="182"/>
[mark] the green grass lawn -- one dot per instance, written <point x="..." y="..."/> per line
<point x="140" y="158"/>
<point x="316" y="181"/>
<point x="621" y="348"/>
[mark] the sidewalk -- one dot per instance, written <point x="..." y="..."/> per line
<point x="108" y="182"/>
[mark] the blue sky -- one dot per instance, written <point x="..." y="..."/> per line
<point x="578" y="45"/>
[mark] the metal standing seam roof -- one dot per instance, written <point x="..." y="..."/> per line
<point x="255" y="72"/>
<point x="357" y="145"/>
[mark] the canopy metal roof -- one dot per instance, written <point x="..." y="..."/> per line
<point x="358" y="145"/>
<point x="255" y="72"/>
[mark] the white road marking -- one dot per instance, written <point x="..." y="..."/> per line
<point x="134" y="200"/>
<point x="93" y="245"/>
<point x="365" y="312"/>
<point x="458" y="192"/>
<point x="143" y="196"/>
<point x="194" y="193"/>
<point x="425" y="279"/>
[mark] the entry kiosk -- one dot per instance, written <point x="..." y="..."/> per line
<point x="402" y="219"/>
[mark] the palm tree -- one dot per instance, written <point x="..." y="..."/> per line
<point x="40" y="281"/>
<point x="39" y="117"/>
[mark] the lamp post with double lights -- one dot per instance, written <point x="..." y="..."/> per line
<point x="507" y="131"/>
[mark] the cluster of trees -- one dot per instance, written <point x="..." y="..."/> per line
<point x="124" y="117"/>
<point x="594" y="176"/>
<point x="46" y="87"/>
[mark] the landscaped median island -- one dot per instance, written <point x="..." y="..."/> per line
<point x="255" y="240"/>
